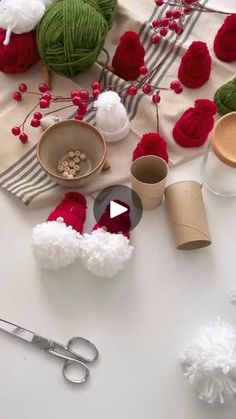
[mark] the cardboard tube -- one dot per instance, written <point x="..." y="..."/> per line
<point x="187" y="215"/>
<point x="148" y="180"/>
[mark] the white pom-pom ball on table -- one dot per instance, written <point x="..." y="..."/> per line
<point x="104" y="253"/>
<point x="55" y="244"/>
<point x="209" y="362"/>
<point x="111" y="117"/>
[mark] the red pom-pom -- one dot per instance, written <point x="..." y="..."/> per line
<point x="20" y="54"/>
<point x="129" y="56"/>
<point x="151" y="144"/>
<point x="195" y="67"/>
<point x="193" y="127"/>
<point x="72" y="209"/>
<point x="225" y="40"/>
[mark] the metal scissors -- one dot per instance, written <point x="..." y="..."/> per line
<point x="72" y="357"/>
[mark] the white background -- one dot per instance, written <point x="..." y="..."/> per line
<point x="140" y="320"/>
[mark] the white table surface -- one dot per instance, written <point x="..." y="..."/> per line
<point x="140" y="320"/>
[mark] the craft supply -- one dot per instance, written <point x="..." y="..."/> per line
<point x="52" y="149"/>
<point x="220" y="161"/>
<point x="195" y="67"/>
<point x="19" y="16"/>
<point x="225" y="97"/>
<point x="106" y="250"/>
<point x="209" y="362"/>
<point x="148" y="179"/>
<point x="56" y="242"/>
<point x="151" y="144"/>
<point x="129" y="56"/>
<point x="111" y="116"/>
<point x="67" y="164"/>
<point x="187" y="215"/>
<point x="225" y="40"/>
<point x="73" y="359"/>
<point x="49" y="120"/>
<point x="71" y="34"/>
<point x="193" y="127"/>
<point x="20" y="54"/>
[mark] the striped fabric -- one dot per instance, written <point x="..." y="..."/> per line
<point x="26" y="179"/>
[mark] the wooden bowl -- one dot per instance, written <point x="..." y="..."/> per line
<point x="65" y="136"/>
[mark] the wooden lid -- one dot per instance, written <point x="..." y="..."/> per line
<point x="223" y="139"/>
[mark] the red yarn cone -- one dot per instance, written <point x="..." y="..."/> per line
<point x="151" y="144"/>
<point x="225" y="40"/>
<point x="119" y="224"/>
<point x="193" y="127"/>
<point x="20" y="54"/>
<point x="129" y="56"/>
<point x="195" y="67"/>
<point x="72" y="210"/>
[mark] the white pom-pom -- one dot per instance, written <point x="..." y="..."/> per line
<point x="49" y="120"/>
<point x="55" y="245"/>
<point x="209" y="362"/>
<point x="103" y="253"/>
<point x="20" y="16"/>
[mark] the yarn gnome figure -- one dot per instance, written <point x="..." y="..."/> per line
<point x="56" y="242"/>
<point x="225" y="98"/>
<point x="195" y="67"/>
<point x="105" y="251"/>
<point x="128" y="57"/>
<point x="193" y="127"/>
<point x="225" y="40"/>
<point x="151" y="144"/>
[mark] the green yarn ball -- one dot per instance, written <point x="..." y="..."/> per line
<point x="225" y="98"/>
<point x="71" y="33"/>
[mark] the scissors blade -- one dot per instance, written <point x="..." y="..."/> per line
<point x="25" y="334"/>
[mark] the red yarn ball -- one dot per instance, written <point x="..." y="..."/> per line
<point x="20" y="54"/>
<point x="151" y="144"/>
<point x="193" y="127"/>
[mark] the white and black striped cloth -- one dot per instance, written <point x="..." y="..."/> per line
<point x="27" y="180"/>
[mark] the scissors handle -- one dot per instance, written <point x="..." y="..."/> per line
<point x="73" y="359"/>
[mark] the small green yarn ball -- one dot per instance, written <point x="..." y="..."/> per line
<point x="225" y="98"/>
<point x="71" y="33"/>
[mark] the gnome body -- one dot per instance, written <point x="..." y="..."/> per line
<point x="195" y="67"/>
<point x="193" y="127"/>
<point x="225" y="40"/>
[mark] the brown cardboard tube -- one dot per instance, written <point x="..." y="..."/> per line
<point x="187" y="215"/>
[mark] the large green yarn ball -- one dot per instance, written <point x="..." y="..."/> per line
<point x="225" y="98"/>
<point x="71" y="33"/>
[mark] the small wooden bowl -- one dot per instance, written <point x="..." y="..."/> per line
<point x="64" y="136"/>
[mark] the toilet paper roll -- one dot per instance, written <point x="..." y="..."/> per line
<point x="187" y="215"/>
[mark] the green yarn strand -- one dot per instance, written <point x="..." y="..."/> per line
<point x="71" y="33"/>
<point x="225" y="98"/>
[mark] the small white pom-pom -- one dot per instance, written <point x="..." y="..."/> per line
<point x="55" y="245"/>
<point x="209" y="362"/>
<point x="103" y="253"/>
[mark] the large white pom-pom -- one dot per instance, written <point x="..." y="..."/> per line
<point x="55" y="245"/>
<point x="209" y="362"/>
<point x="103" y="253"/>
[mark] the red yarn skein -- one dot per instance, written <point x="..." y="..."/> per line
<point x="193" y="127"/>
<point x="195" y="67"/>
<point x="129" y="56"/>
<point x="225" y="40"/>
<point x="72" y="209"/>
<point x="20" y="54"/>
<point x="151" y="144"/>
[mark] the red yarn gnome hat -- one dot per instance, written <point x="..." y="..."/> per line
<point x="225" y="40"/>
<point x="129" y="56"/>
<point x="193" y="127"/>
<point x="195" y="66"/>
<point x="73" y="211"/>
<point x="151" y="144"/>
<point x="56" y="242"/>
<point x="119" y="224"/>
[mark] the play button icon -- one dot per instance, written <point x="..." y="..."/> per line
<point x="120" y="203"/>
<point x="116" y="209"/>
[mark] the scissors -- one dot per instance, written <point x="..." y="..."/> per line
<point x="72" y="357"/>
